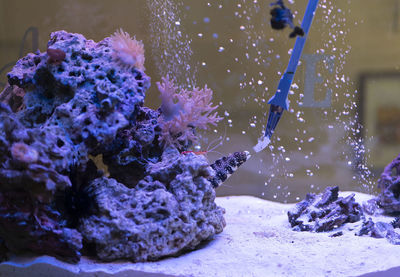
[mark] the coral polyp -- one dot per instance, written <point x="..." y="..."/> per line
<point x="127" y="51"/>
<point x="183" y="112"/>
<point x="23" y="153"/>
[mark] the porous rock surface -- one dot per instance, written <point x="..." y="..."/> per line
<point x="30" y="173"/>
<point x="324" y="212"/>
<point x="327" y="212"/>
<point x="58" y="113"/>
<point x="172" y="209"/>
<point x="387" y="203"/>
<point x="389" y="184"/>
<point x="379" y="229"/>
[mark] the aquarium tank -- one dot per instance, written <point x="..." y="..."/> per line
<point x="199" y="138"/>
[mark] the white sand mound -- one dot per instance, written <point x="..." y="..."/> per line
<point x="257" y="241"/>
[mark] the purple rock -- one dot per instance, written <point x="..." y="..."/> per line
<point x="389" y="185"/>
<point x="324" y="212"/>
<point x="82" y="167"/>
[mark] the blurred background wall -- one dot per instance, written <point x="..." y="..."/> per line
<point x="229" y="45"/>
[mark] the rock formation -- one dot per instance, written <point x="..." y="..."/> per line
<point x="389" y="185"/>
<point x="77" y="103"/>
<point x="324" y="212"/>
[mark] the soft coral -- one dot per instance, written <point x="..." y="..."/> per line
<point x="183" y="112"/>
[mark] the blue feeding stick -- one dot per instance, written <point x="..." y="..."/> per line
<point x="279" y="102"/>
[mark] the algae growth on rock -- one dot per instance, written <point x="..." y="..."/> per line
<point x="77" y="101"/>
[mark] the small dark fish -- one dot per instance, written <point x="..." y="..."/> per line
<point x="282" y="17"/>
<point x="56" y="56"/>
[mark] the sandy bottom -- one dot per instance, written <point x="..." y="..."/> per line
<point x="257" y="241"/>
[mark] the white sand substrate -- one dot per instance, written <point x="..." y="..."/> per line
<point x="257" y="241"/>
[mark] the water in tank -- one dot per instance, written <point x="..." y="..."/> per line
<point x="199" y="138"/>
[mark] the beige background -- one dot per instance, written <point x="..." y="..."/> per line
<point x="364" y="36"/>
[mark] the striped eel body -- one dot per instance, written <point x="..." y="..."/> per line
<point x="226" y="166"/>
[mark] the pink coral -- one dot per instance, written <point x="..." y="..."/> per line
<point x="183" y="112"/>
<point x="127" y="52"/>
<point x="24" y="153"/>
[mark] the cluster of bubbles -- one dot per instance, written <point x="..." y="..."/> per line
<point x="343" y="150"/>
<point x="310" y="147"/>
<point x="170" y="43"/>
<point x="347" y="117"/>
<point x="173" y="54"/>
